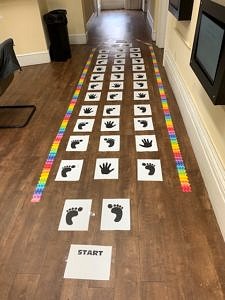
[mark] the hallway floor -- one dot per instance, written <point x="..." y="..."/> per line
<point x="117" y="162"/>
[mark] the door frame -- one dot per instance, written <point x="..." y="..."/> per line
<point x="162" y="22"/>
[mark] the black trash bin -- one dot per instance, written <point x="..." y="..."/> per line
<point x="56" y="22"/>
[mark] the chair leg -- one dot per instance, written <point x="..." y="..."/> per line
<point x="33" y="108"/>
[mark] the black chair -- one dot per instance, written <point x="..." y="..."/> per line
<point x="8" y="65"/>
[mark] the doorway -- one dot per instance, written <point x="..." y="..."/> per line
<point x="121" y="4"/>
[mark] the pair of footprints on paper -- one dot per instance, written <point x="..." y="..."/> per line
<point x="74" y="212"/>
<point x="109" y="141"/>
<point x="106" y="169"/>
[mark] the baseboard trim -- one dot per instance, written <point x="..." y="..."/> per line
<point x="209" y="162"/>
<point x="78" y="38"/>
<point x="151" y="24"/>
<point x="91" y="19"/>
<point x="34" y="58"/>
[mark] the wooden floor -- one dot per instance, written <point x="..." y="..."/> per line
<point x="174" y="249"/>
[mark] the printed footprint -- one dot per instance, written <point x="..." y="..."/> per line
<point x="72" y="212"/>
<point x="117" y="210"/>
<point x="110" y="141"/>
<point x="113" y="96"/>
<point x="143" y="122"/>
<point x="109" y="110"/>
<point x="66" y="169"/>
<point x="140" y="84"/>
<point x="142" y="108"/>
<point x="74" y="143"/>
<point x="150" y="167"/>
<point x="81" y="125"/>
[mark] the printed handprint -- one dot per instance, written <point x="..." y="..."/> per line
<point x="143" y="122"/>
<point x="116" y="85"/>
<point x="110" y="141"/>
<point x="110" y="124"/>
<point x="146" y="143"/>
<point x="150" y="167"/>
<point x="92" y="96"/>
<point x="105" y="168"/>
<point x="141" y="95"/>
<point x="88" y="110"/>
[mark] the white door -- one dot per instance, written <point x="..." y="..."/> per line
<point x="112" y="4"/>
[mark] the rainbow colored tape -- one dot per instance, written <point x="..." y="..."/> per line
<point x="56" y="143"/>
<point x="185" y="185"/>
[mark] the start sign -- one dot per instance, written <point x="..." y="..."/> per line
<point x="89" y="262"/>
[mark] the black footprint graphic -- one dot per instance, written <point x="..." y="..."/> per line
<point x="110" y="141"/>
<point x="113" y="96"/>
<point x="81" y="125"/>
<point x="117" y="210"/>
<point x="150" y="167"/>
<point x="142" y="108"/>
<point x="144" y="123"/>
<point x="74" y="143"/>
<point x="109" y="110"/>
<point x="72" y="212"/>
<point x="140" y="84"/>
<point x="118" y="68"/>
<point x="66" y="169"/>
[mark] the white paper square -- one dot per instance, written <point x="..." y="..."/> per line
<point x="90" y="262"/>
<point x="117" y="76"/>
<point x="135" y="50"/>
<point x="75" y="215"/>
<point x="102" y="56"/>
<point x="69" y="170"/>
<point x="140" y="85"/>
<point x="146" y="143"/>
<point x="149" y="170"/>
<point x="115" y="214"/>
<point x="95" y="86"/>
<point x="142" y="110"/>
<point x="111" y="110"/>
<point x="137" y="61"/>
<point x="118" y="68"/>
<point x="107" y="168"/>
<point x="109" y="143"/>
<point x="101" y="62"/>
<point x="139" y="76"/>
<point x="119" y="61"/>
<point x="78" y="143"/>
<point x="138" y="68"/>
<point x="99" y="69"/>
<point x="84" y="125"/>
<point x="103" y="51"/>
<point x="120" y="50"/>
<point x="116" y="85"/>
<point x="141" y="95"/>
<point x="110" y="124"/>
<point x="120" y="55"/>
<point x="88" y="110"/>
<point x="143" y="124"/>
<point x="97" y="77"/>
<point x="134" y="55"/>
<point x="92" y="96"/>
<point x="115" y="96"/>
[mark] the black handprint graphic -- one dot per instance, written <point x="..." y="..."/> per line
<point x="110" y="124"/>
<point x="92" y="96"/>
<point x="146" y="143"/>
<point x="141" y="95"/>
<point x="143" y="122"/>
<point x="110" y="141"/>
<point x="109" y="110"/>
<point x="105" y="168"/>
<point x="119" y="61"/>
<point x="150" y="167"/>
<point x="113" y="96"/>
<point x="142" y="108"/>
<point x="88" y="110"/>
<point x="81" y="125"/>
<point x="74" y="143"/>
